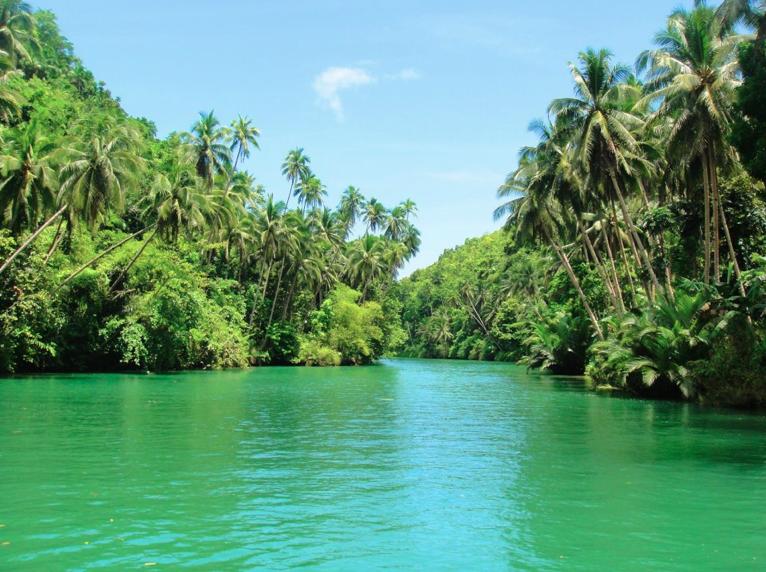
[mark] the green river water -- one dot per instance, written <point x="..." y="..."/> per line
<point x="407" y="465"/>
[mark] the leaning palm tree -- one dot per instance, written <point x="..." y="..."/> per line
<point x="530" y="208"/>
<point x="604" y="132"/>
<point x="296" y="169"/>
<point x="693" y="75"/>
<point x="242" y="136"/>
<point x="207" y="139"/>
<point x="93" y="182"/>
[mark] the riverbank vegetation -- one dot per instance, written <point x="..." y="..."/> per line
<point x="635" y="228"/>
<point x="123" y="250"/>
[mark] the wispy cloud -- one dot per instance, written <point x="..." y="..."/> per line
<point x="406" y="74"/>
<point x="329" y="84"/>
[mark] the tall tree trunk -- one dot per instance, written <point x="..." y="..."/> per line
<point x="613" y="266"/>
<point x="99" y="257"/>
<point x="276" y="294"/>
<point x="289" y="193"/>
<point x="632" y="229"/>
<point x="706" y="191"/>
<point x="716" y="222"/>
<point x="251" y="321"/>
<point x="32" y="238"/>
<point x="726" y="232"/>
<point x="132" y="261"/>
<point x="56" y="239"/>
<point x="623" y="254"/>
<point x="616" y="301"/>
<point x="576" y="283"/>
<point x="660" y="244"/>
<point x="291" y="292"/>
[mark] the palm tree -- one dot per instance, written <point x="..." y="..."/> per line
<point x="310" y="193"/>
<point x="242" y="135"/>
<point x="296" y="169"/>
<point x="752" y="13"/>
<point x="366" y="262"/>
<point x="395" y="223"/>
<point x="17" y="30"/>
<point x="374" y="215"/>
<point x="92" y="183"/>
<point x="530" y="208"/>
<point x="28" y="185"/>
<point x="604" y="132"/>
<point x="208" y="142"/>
<point x="409" y="208"/>
<point x="351" y="205"/>
<point x="693" y="74"/>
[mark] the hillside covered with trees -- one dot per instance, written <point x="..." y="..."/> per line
<point x="635" y="228"/>
<point x="123" y="250"/>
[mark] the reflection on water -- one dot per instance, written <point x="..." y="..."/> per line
<point x="410" y="464"/>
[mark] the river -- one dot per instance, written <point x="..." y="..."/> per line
<point x="406" y="465"/>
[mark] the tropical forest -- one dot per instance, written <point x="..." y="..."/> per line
<point x="351" y="286"/>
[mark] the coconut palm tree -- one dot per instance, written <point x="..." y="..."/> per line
<point x="208" y="141"/>
<point x="374" y="215"/>
<point x="310" y="193"/>
<point x="296" y="169"/>
<point x="17" y="30"/>
<point x="242" y="136"/>
<point x="751" y="13"/>
<point x="351" y="206"/>
<point x="692" y="75"/>
<point x="366" y="262"/>
<point x="93" y="182"/>
<point x="604" y="132"/>
<point x="530" y="208"/>
<point x="28" y="182"/>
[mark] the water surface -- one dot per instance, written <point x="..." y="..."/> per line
<point x="408" y="465"/>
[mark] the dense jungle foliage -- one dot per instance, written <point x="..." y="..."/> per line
<point x="635" y="235"/>
<point x="120" y="250"/>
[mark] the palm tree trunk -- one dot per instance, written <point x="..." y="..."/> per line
<point x="263" y="295"/>
<point x="632" y="230"/>
<point x="726" y="232"/>
<point x="56" y="241"/>
<point x="289" y="193"/>
<point x="132" y="261"/>
<point x="576" y="283"/>
<point x="706" y="190"/>
<point x="716" y="220"/>
<point x="290" y="294"/>
<point x="617" y="302"/>
<point x="623" y="254"/>
<point x="660" y="244"/>
<point x="276" y="294"/>
<point x="31" y="239"/>
<point x="613" y="266"/>
<point x="99" y="257"/>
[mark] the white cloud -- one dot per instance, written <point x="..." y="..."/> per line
<point x="406" y="74"/>
<point x="331" y="82"/>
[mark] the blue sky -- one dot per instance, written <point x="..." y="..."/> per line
<point x="404" y="99"/>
